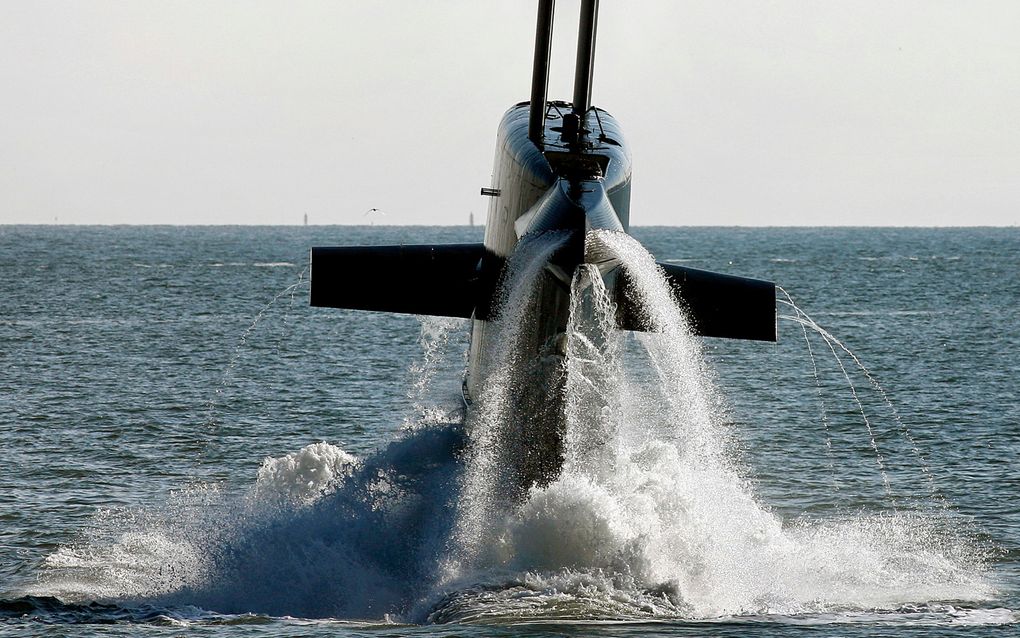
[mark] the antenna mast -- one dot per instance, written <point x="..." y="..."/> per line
<point x="585" y="65"/>
<point x="540" y="71"/>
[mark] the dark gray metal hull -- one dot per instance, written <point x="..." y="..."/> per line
<point x="560" y="168"/>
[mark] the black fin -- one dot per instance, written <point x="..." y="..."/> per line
<point x="717" y="305"/>
<point x="448" y="280"/>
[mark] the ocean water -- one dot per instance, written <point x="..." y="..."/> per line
<point x="189" y="447"/>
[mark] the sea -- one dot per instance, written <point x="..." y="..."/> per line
<point x="189" y="448"/>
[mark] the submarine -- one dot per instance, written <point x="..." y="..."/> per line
<point x="561" y="167"/>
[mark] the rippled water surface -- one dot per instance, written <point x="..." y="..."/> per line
<point x="188" y="445"/>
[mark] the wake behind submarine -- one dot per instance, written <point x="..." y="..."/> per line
<point x="560" y="167"/>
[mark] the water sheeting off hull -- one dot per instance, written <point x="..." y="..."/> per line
<point x="652" y="506"/>
<point x="653" y="517"/>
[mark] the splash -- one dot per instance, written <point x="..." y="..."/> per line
<point x="320" y="534"/>
<point x="838" y="349"/>
<point x="652" y="516"/>
<point x="495" y="418"/>
<point x="211" y="422"/>
<point x="429" y="406"/>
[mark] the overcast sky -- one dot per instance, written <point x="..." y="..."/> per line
<point x="738" y="113"/>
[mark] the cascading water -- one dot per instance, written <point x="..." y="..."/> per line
<point x="652" y="515"/>
<point x="592" y="400"/>
<point x="838" y="348"/>
<point x="494" y="421"/>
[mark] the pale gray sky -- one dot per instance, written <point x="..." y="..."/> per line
<point x="749" y="113"/>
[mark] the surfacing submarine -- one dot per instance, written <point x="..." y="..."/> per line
<point x="560" y="167"/>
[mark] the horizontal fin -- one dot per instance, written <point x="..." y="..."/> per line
<point x="717" y="305"/>
<point x="441" y="279"/>
<point x="458" y="280"/>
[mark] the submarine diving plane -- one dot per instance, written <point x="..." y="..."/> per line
<point x="560" y="167"/>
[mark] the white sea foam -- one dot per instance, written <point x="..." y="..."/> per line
<point x="304" y="476"/>
<point x="652" y="508"/>
<point x="484" y="486"/>
<point x="317" y="535"/>
<point x="651" y="518"/>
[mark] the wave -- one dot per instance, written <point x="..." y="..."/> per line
<point x="321" y="534"/>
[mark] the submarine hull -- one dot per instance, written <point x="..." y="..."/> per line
<point x="561" y="168"/>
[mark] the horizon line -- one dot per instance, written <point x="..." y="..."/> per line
<point x="482" y="226"/>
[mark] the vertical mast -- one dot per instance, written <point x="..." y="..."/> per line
<point x="540" y="71"/>
<point x="585" y="64"/>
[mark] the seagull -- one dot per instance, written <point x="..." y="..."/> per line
<point x="373" y="211"/>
